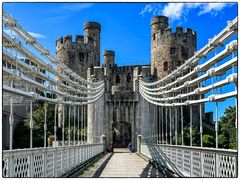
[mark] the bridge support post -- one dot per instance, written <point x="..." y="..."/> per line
<point x="104" y="141"/>
<point x="139" y="141"/>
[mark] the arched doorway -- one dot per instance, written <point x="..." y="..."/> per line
<point x="121" y="134"/>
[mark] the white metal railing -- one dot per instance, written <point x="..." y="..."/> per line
<point x="47" y="162"/>
<point x="194" y="161"/>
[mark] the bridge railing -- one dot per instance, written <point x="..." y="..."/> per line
<point x="35" y="76"/>
<point x="173" y="110"/>
<point x="194" y="161"/>
<point x="47" y="162"/>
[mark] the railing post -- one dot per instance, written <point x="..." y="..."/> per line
<point x="201" y="160"/>
<point x="62" y="162"/>
<point x="170" y="113"/>
<point x="104" y="142"/>
<point x="45" y="124"/>
<point x="63" y="125"/>
<point x="31" y="165"/>
<point x="182" y="125"/>
<point x="191" y="165"/>
<point x="31" y="125"/>
<point x="190" y="125"/>
<point x="216" y="165"/>
<point x="55" y="122"/>
<point x="74" y="119"/>
<point x="45" y="163"/>
<point x="139" y="139"/>
<point x="176" y="137"/>
<point x="162" y="118"/>
<point x="69" y="130"/>
<point x="166" y="124"/>
<point x="78" y="125"/>
<point x="11" y="166"/>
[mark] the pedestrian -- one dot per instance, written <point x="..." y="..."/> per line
<point x="111" y="147"/>
<point x="130" y="147"/>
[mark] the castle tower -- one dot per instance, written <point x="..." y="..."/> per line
<point x="108" y="58"/>
<point x="92" y="35"/>
<point x="169" y="49"/>
<point x="83" y="52"/>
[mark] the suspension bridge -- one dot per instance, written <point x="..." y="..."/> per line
<point x="160" y="106"/>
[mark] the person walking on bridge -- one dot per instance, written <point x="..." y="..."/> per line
<point x="130" y="146"/>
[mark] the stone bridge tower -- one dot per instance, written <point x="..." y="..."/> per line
<point x="169" y="49"/>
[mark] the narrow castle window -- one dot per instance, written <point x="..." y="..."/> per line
<point x="184" y="52"/>
<point x="117" y="79"/>
<point x="128" y="78"/>
<point x="154" y="36"/>
<point x="81" y="56"/>
<point x="165" y="66"/>
<point x="161" y="31"/>
<point x="173" y="51"/>
<point x="179" y="63"/>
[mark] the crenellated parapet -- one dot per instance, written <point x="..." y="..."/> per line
<point x="68" y="42"/>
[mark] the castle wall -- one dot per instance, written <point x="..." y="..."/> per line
<point x="169" y="49"/>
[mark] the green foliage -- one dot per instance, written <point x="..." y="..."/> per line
<point x="22" y="132"/>
<point x="227" y="129"/>
<point x="179" y="140"/>
<point x="208" y="140"/>
<point x="195" y="136"/>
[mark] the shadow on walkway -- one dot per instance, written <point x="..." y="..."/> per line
<point x="151" y="172"/>
<point x="101" y="168"/>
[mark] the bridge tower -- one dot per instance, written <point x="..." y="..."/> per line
<point x="169" y="49"/>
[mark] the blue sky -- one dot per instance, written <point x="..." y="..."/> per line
<point x="125" y="26"/>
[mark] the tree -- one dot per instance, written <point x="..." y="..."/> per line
<point x="22" y="132"/>
<point x="227" y="129"/>
<point x="208" y="140"/>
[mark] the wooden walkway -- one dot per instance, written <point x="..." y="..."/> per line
<point x="121" y="163"/>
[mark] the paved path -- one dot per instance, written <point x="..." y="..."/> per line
<point x="123" y="164"/>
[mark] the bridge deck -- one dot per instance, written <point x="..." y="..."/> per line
<point x="124" y="164"/>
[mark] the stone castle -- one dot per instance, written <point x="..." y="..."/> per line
<point x="168" y="51"/>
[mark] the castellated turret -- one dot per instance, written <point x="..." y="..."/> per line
<point x="169" y="49"/>
<point x="92" y="35"/>
<point x="108" y="58"/>
<point x="83" y="52"/>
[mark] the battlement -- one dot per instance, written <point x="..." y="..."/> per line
<point x="159" y="24"/>
<point x="92" y="26"/>
<point x="180" y="30"/>
<point x="79" y="39"/>
<point x="67" y="38"/>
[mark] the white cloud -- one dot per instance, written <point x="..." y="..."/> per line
<point x="213" y="8"/>
<point x="13" y="34"/>
<point x="177" y="11"/>
<point x="36" y="35"/>
<point x="173" y="10"/>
